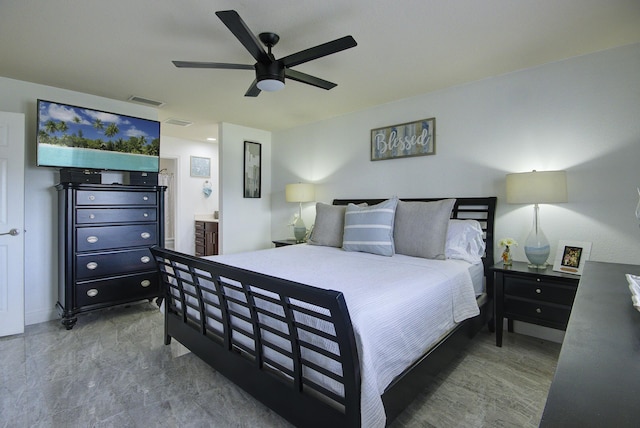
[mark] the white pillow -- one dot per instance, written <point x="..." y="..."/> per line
<point x="465" y="241"/>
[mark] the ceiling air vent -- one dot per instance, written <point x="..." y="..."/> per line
<point x="145" y="101"/>
<point x="178" y="122"/>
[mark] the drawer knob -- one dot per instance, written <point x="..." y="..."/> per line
<point x="145" y="235"/>
<point x="92" y="216"/>
<point x="538" y="310"/>
<point x="538" y="291"/>
<point x="145" y="259"/>
<point x="538" y="279"/>
<point x="92" y="265"/>
<point x="145" y="215"/>
<point x="145" y="283"/>
<point x="92" y="198"/>
<point x="92" y="292"/>
<point x="92" y="239"/>
<point x="145" y="198"/>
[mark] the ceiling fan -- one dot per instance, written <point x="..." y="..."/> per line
<point x="271" y="72"/>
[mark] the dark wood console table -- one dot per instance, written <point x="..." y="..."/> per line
<point x="597" y="381"/>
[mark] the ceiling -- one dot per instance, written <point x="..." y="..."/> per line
<point x="120" y="48"/>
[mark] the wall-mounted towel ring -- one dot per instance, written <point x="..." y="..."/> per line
<point x="206" y="189"/>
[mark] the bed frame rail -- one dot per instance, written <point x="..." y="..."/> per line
<point x="287" y="333"/>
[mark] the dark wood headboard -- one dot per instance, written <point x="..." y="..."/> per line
<point x="481" y="209"/>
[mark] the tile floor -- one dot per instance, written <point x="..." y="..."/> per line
<point x="113" y="370"/>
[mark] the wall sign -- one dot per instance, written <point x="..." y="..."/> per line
<point x="404" y="140"/>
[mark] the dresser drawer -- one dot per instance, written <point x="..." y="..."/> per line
<point x="118" y="290"/>
<point x="114" y="197"/>
<point x="527" y="310"/>
<point x="206" y="226"/>
<point x="108" y="237"/>
<point x="544" y="290"/>
<point x="200" y="250"/>
<point x="114" y="215"/>
<point x="96" y="265"/>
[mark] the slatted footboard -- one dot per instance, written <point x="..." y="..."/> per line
<point x="289" y="345"/>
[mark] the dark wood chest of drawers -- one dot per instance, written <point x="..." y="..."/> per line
<point x="206" y="238"/>
<point x="543" y="297"/>
<point x="105" y="232"/>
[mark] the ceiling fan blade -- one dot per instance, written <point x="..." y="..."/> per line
<point x="195" y="64"/>
<point x="253" y="90"/>
<point x="319" y="51"/>
<point x="232" y="20"/>
<point x="308" y="79"/>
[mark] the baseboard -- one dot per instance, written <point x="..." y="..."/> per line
<point x="40" y="316"/>
<point x="545" y="333"/>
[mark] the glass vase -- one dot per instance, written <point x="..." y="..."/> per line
<point x="506" y="257"/>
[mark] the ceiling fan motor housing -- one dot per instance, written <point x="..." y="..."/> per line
<point x="271" y="71"/>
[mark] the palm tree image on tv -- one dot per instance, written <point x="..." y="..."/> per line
<point x="79" y="137"/>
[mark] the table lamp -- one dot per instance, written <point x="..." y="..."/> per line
<point x="543" y="187"/>
<point x="300" y="192"/>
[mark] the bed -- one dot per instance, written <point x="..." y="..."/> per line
<point x="308" y="345"/>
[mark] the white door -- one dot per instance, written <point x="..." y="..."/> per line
<point x="11" y="223"/>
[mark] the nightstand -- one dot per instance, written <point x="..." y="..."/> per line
<point x="537" y="296"/>
<point x="284" y="242"/>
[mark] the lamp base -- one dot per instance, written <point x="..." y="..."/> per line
<point x="299" y="230"/>
<point x="541" y="267"/>
<point x="537" y="256"/>
<point x="536" y="246"/>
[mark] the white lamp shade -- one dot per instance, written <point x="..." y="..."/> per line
<point x="300" y="192"/>
<point x="537" y="187"/>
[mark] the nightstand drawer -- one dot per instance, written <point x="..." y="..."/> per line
<point x="546" y="291"/>
<point x="536" y="311"/>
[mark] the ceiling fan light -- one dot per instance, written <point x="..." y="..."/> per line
<point x="270" y="85"/>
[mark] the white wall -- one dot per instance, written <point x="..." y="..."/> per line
<point x="245" y="223"/>
<point x="190" y="200"/>
<point x="41" y="216"/>
<point x="580" y="115"/>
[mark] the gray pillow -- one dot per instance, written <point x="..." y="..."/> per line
<point x="370" y="229"/>
<point x="329" y="225"/>
<point x="421" y="228"/>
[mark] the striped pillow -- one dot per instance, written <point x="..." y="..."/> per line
<point x="370" y="229"/>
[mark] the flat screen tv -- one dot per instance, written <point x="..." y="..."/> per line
<point x="78" y="137"/>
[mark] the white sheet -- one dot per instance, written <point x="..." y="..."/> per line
<point x="399" y="306"/>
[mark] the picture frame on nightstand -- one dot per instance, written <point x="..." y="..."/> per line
<point x="571" y="256"/>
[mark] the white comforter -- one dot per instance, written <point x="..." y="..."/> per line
<point x="399" y="305"/>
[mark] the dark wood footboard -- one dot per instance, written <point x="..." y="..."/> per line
<point x="270" y="336"/>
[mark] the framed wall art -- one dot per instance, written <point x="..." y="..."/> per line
<point x="571" y="256"/>
<point x="200" y="167"/>
<point x="404" y="140"/>
<point x="252" y="169"/>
